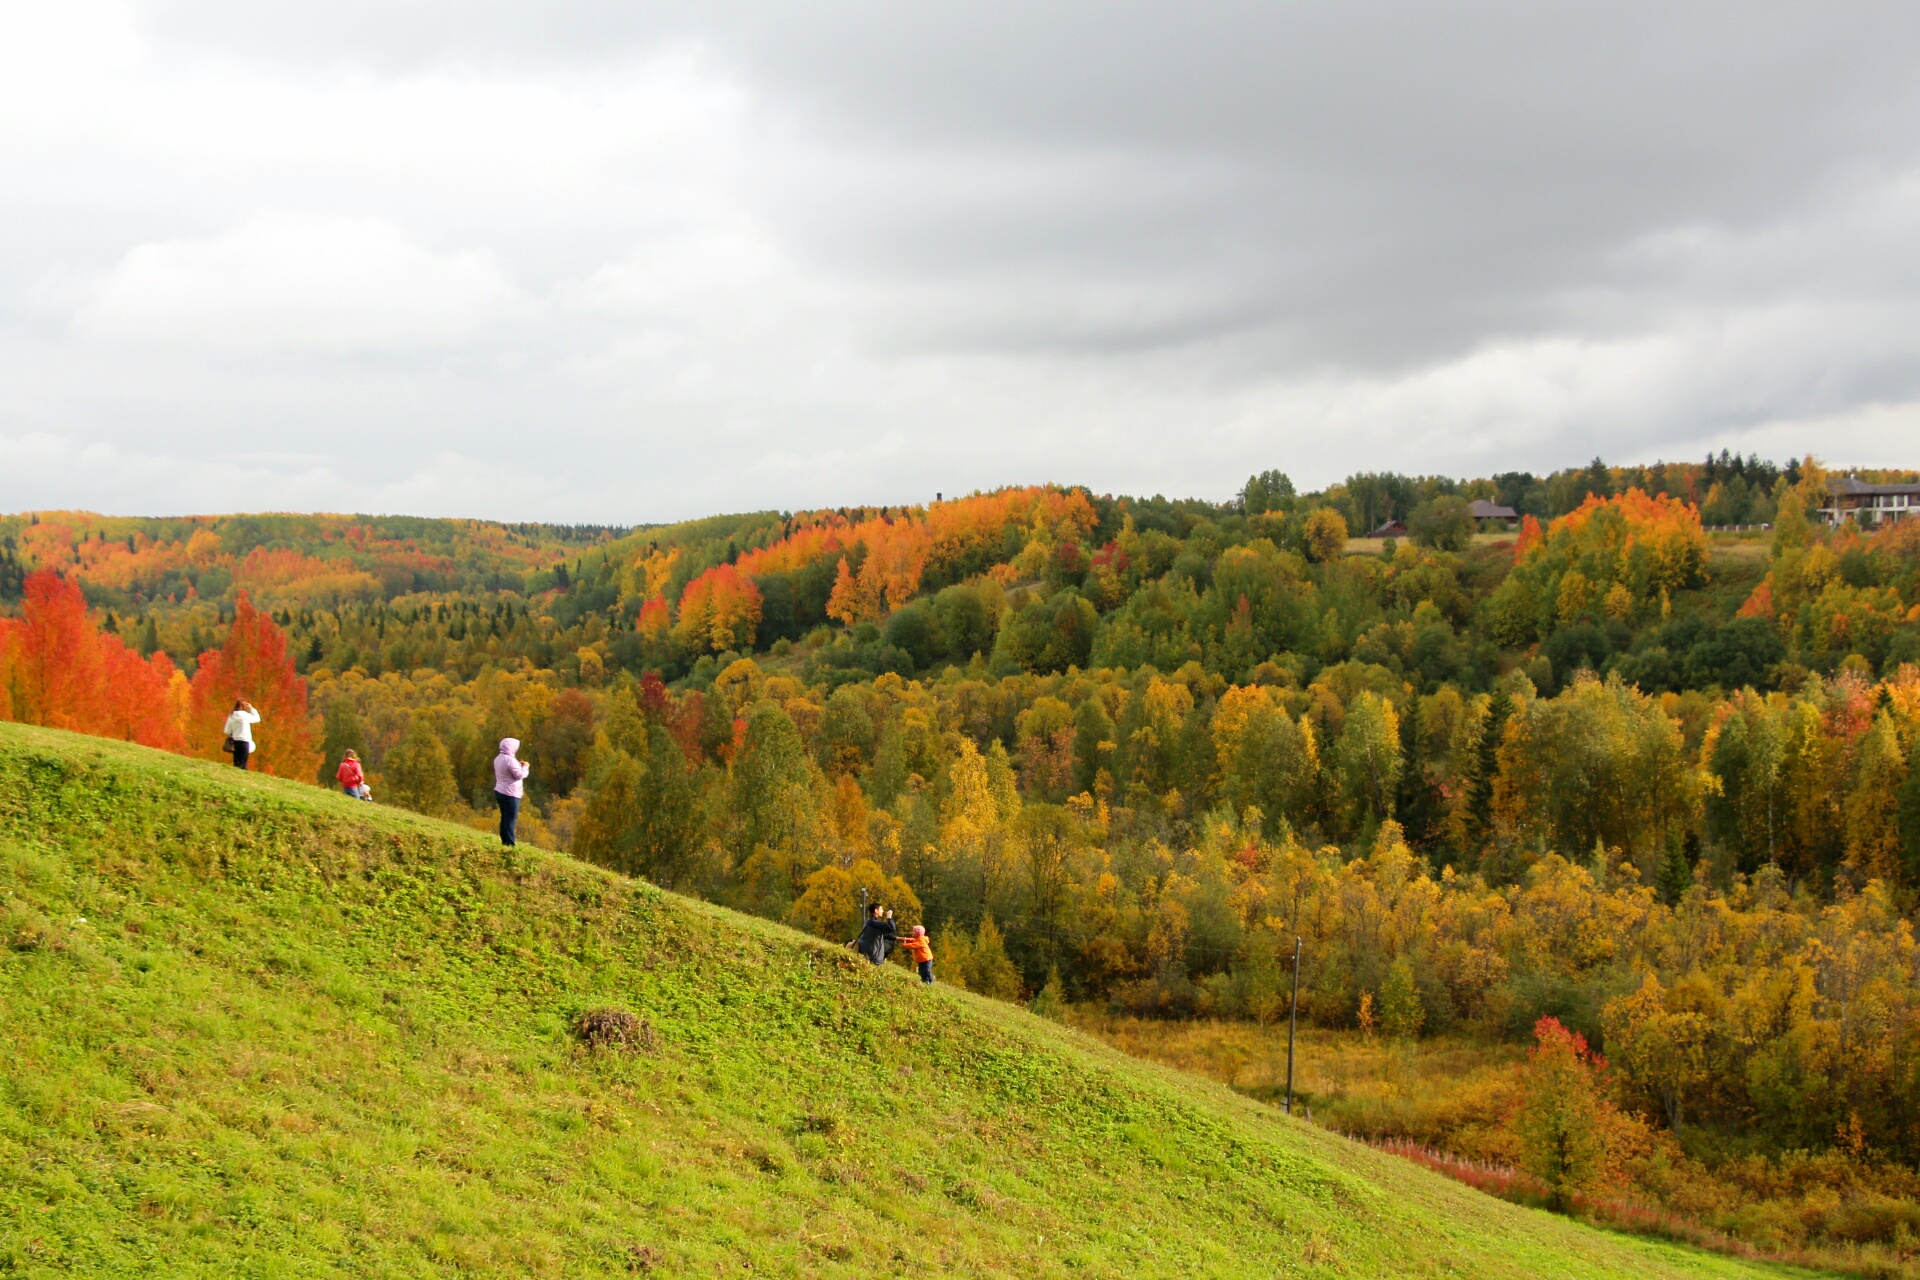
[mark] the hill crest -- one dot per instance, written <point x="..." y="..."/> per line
<point x="250" y="1026"/>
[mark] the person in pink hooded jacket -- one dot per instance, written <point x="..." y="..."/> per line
<point x="509" y="778"/>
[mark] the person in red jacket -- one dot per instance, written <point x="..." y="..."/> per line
<point x="351" y="779"/>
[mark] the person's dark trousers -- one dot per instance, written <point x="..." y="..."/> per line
<point x="241" y="750"/>
<point x="509" y="815"/>
<point x="926" y="971"/>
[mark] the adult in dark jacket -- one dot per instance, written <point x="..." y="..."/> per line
<point x="877" y="935"/>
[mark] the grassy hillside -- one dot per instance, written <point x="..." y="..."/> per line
<point x="251" y="1028"/>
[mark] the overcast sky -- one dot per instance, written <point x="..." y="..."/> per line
<point x="619" y="262"/>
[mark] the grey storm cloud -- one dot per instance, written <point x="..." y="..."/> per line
<point x="609" y="261"/>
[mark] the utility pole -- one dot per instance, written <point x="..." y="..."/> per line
<point x="1293" y="1016"/>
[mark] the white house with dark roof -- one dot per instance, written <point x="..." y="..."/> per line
<point x="1849" y="498"/>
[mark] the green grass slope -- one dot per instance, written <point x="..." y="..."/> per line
<point x="250" y="1028"/>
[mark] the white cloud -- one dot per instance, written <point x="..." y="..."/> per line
<point x="297" y="285"/>
<point x="68" y="474"/>
<point x="623" y="266"/>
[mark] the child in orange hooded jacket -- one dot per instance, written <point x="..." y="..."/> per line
<point x="916" y="946"/>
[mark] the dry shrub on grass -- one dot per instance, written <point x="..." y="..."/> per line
<point x="614" y="1029"/>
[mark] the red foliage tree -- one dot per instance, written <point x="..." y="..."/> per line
<point x="1564" y="1119"/>
<point x="254" y="664"/>
<point x="57" y="669"/>
<point x="656" y="701"/>
<point x="681" y="718"/>
<point x="50" y="658"/>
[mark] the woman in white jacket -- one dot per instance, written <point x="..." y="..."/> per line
<point x="240" y="730"/>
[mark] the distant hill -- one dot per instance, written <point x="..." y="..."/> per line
<point x="252" y="1028"/>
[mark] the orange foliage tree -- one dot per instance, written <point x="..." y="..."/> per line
<point x="254" y="664"/>
<point x="959" y="538"/>
<point x="57" y="669"/>
<point x="894" y="550"/>
<point x="654" y="621"/>
<point x="148" y="698"/>
<point x="720" y="610"/>
<point x="855" y="597"/>
<point x="1620" y="558"/>
<point x="889" y="575"/>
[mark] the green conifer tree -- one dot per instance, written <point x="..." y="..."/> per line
<point x="1052" y="1000"/>
<point x="1676" y="875"/>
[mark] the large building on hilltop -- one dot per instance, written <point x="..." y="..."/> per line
<point x="1849" y="498"/>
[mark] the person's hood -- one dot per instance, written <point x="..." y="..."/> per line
<point x="508" y="746"/>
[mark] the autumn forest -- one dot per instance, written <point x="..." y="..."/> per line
<point x="1616" y="786"/>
